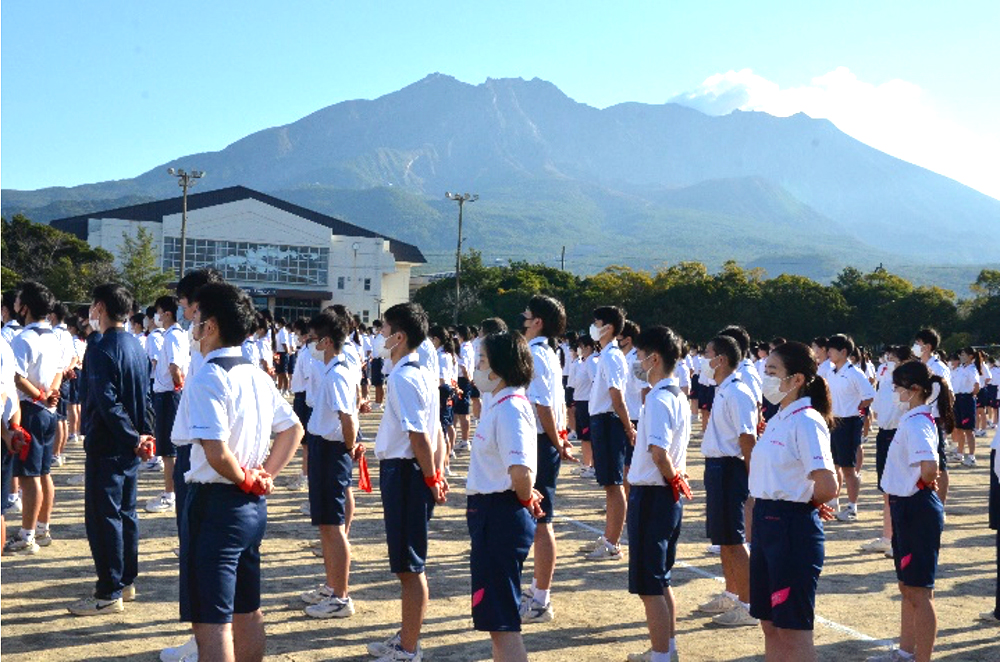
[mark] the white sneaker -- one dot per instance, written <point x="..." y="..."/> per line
<point x="182" y="652"/>
<point x="57" y="460"/>
<point x="989" y="617"/>
<point x="154" y="464"/>
<point x="605" y="551"/>
<point x="18" y="545"/>
<point x="648" y="656"/>
<point x="888" y="553"/>
<point x="128" y="593"/>
<point x="332" y="607"/>
<point x="380" y="648"/>
<point x="980" y="433"/>
<point x="847" y="514"/>
<point x="461" y="445"/>
<point x="890" y="656"/>
<point x="535" y="612"/>
<point x="448" y="472"/>
<point x="299" y="483"/>
<point x="588" y="473"/>
<point x="317" y="595"/>
<point x="735" y="617"/>
<point x="96" y="607"/>
<point x="15" y="504"/>
<point x="571" y="436"/>
<point x="397" y="654"/>
<point x="720" y="604"/>
<point x="76" y="480"/>
<point x="44" y="539"/>
<point x="969" y="461"/>
<point x="713" y="549"/>
<point x="160" y="504"/>
<point x="304" y="509"/>
<point x="877" y="545"/>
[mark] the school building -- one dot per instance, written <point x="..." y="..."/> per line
<point x="290" y="259"/>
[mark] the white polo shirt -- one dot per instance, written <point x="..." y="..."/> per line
<point x="633" y="386"/>
<point x="7" y="379"/>
<point x="447" y="367"/>
<point x="916" y="441"/>
<point x="303" y="370"/>
<point x="665" y="422"/>
<point x="546" y="387"/>
<point x="795" y="443"/>
<point x="175" y="351"/>
<point x="281" y="346"/>
<point x="941" y="369"/>
<point x="734" y="412"/>
<point x="466" y="359"/>
<point x="196" y="361"/>
<point x="9" y="330"/>
<point x="505" y="437"/>
<point x="408" y="408"/>
<point x="583" y="377"/>
<point x="336" y="393"/>
<point x="65" y="339"/>
<point x="240" y="407"/>
<point x="682" y="376"/>
<point x="612" y="372"/>
<point x="37" y="356"/>
<point x="965" y="378"/>
<point x="884" y="405"/>
<point x="748" y="373"/>
<point x="154" y="343"/>
<point x="848" y="388"/>
<point x="824" y="369"/>
<point x="250" y="351"/>
<point x="428" y="359"/>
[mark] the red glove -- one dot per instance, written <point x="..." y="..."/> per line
<point x="564" y="435"/>
<point x="364" y="478"/>
<point x="921" y="485"/>
<point x="251" y="484"/>
<point x="25" y="447"/>
<point x="41" y="398"/>
<point x="431" y="481"/>
<point x="681" y="488"/>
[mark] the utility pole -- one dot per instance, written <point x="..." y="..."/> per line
<point x="185" y="180"/>
<point x="461" y="199"/>
<point x="562" y="260"/>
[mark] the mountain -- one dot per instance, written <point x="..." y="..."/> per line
<point x="634" y="184"/>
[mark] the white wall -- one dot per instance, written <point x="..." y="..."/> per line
<point x="107" y="233"/>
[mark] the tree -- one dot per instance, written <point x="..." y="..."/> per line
<point x="140" y="272"/>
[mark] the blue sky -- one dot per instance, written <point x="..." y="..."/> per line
<point x="107" y="90"/>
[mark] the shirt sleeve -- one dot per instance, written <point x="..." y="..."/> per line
<point x="340" y="395"/>
<point x="514" y="434"/>
<point x="922" y="442"/>
<point x="812" y="444"/>
<point x="171" y="349"/>
<point x="540" y="390"/>
<point x="744" y="410"/>
<point x="865" y="389"/>
<point x="284" y="415"/>
<point x="617" y="371"/>
<point x="23" y="354"/>
<point x="413" y="402"/>
<point x="209" y="414"/>
<point x="658" y="422"/>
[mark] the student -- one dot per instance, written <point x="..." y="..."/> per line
<point x="994" y="393"/>
<point x="635" y="387"/>
<point x="119" y="428"/>
<point x="983" y="397"/>
<point x="850" y="392"/>
<point x="10" y="429"/>
<point x="74" y="324"/>
<point x="544" y="319"/>
<point x="819" y="348"/>
<point x="925" y="344"/>
<point x="376" y="374"/>
<point x="282" y="350"/>
<point x="706" y="389"/>
<point x="154" y="343"/>
<point x="234" y="410"/>
<point x="745" y="370"/>
<point x="169" y="375"/>
<point x="462" y="400"/>
<point x="411" y="481"/>
<point x="887" y="415"/>
<point x="11" y="327"/>
<point x="585" y="369"/>
<point x="727" y="445"/>
<point x="299" y="384"/>
<point x="57" y="320"/>
<point x="611" y="429"/>
<point x="502" y="504"/>
<point x="333" y="447"/>
<point x="487" y="327"/>
<point x="791" y="479"/>
<point x="566" y="358"/>
<point x="657" y="476"/>
<point x="917" y="513"/>
<point x="447" y="383"/>
<point x="966" y="382"/>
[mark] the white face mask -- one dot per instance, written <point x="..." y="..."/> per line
<point x="157" y="322"/>
<point x="707" y="371"/>
<point x="917" y="349"/>
<point x="596" y="332"/>
<point x="95" y="323"/>
<point x="771" y="388"/>
<point x="638" y="372"/>
<point x="382" y="350"/>
<point x="481" y="378"/>
<point x="378" y="342"/>
<point x="890" y="367"/>
<point x="901" y="405"/>
<point x="316" y="353"/>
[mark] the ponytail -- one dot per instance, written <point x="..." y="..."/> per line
<point x="916" y="373"/>
<point x="798" y="358"/>
<point x="945" y="403"/>
<point x="819" y="392"/>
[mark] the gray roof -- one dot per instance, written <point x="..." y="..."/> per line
<point x="155" y="211"/>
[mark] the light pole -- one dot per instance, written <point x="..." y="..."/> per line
<point x="185" y="180"/>
<point x="461" y="199"/>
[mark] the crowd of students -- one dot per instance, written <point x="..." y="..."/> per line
<point x="222" y="406"/>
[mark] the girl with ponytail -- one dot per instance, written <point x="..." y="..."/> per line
<point x="966" y="381"/>
<point x="791" y="479"/>
<point x="909" y="478"/>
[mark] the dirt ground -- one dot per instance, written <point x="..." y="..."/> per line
<point x="596" y="618"/>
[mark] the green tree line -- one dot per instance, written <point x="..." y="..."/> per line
<point x="71" y="268"/>
<point x="876" y="307"/>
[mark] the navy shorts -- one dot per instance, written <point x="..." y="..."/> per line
<point x="726" y="492"/>
<point x="695" y="386"/>
<point x="706" y="397"/>
<point x="447" y="415"/>
<point x="785" y="563"/>
<point x="994" y="497"/>
<point x="629" y="448"/>
<point x="62" y="407"/>
<point x="768" y="410"/>
<point x="607" y="438"/>
<point x="460" y="405"/>
<point x="882" y="441"/>
<point x="302" y="410"/>
<point x="292" y="359"/>
<point x="74" y="389"/>
<point x="654" y="527"/>
<point x="330" y="469"/>
<point x="569" y="392"/>
<point x="983" y="398"/>
<point x="164" y="411"/>
<point x="473" y="391"/>
<point x="281" y="365"/>
<point x="965" y="411"/>
<point x="549" y="463"/>
<point x="41" y="425"/>
<point x="942" y="456"/>
<point x="220" y="552"/>
<point x="375" y="367"/>
<point x="993" y="396"/>
<point x="845" y="438"/>
<point x="917" y="522"/>
<point x="582" y="413"/>
<point x="407" y="506"/>
<point x="502" y="531"/>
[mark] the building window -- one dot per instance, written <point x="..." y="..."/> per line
<point x="368" y="284"/>
<point x="246" y="262"/>
<point x="364" y="316"/>
<point x="292" y="309"/>
<point x="340" y="282"/>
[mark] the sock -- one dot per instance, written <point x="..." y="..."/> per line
<point x="834" y="503"/>
<point x="853" y="506"/>
<point x="534" y="586"/>
<point x="27" y="534"/>
<point x="673" y="645"/>
<point x="169" y="496"/>
<point x="659" y="657"/>
<point x="542" y="597"/>
<point x="42" y="528"/>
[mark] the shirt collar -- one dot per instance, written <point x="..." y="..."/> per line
<point x="38" y="325"/>
<point x="666" y="381"/>
<point x="632" y="352"/>
<point x="613" y="343"/>
<point x="924" y="410"/>
<point x="539" y="340"/>
<point x="798" y="405"/>
<point x="504" y="392"/>
<point x="412" y="357"/>
<point x="223" y="351"/>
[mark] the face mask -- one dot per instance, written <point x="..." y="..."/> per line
<point x="596" y="332"/>
<point x="481" y="378"/>
<point x="917" y="349"/>
<point x="525" y="320"/>
<point x="378" y="343"/>
<point x="638" y="372"/>
<point x="890" y="366"/>
<point x="382" y="350"/>
<point x="95" y="323"/>
<point x="707" y="371"/>
<point x="771" y="388"/>
<point x="157" y="322"/>
<point x="316" y="353"/>
<point x="901" y="405"/>
<point x="180" y="312"/>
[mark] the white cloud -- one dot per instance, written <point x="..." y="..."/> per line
<point x="896" y="117"/>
